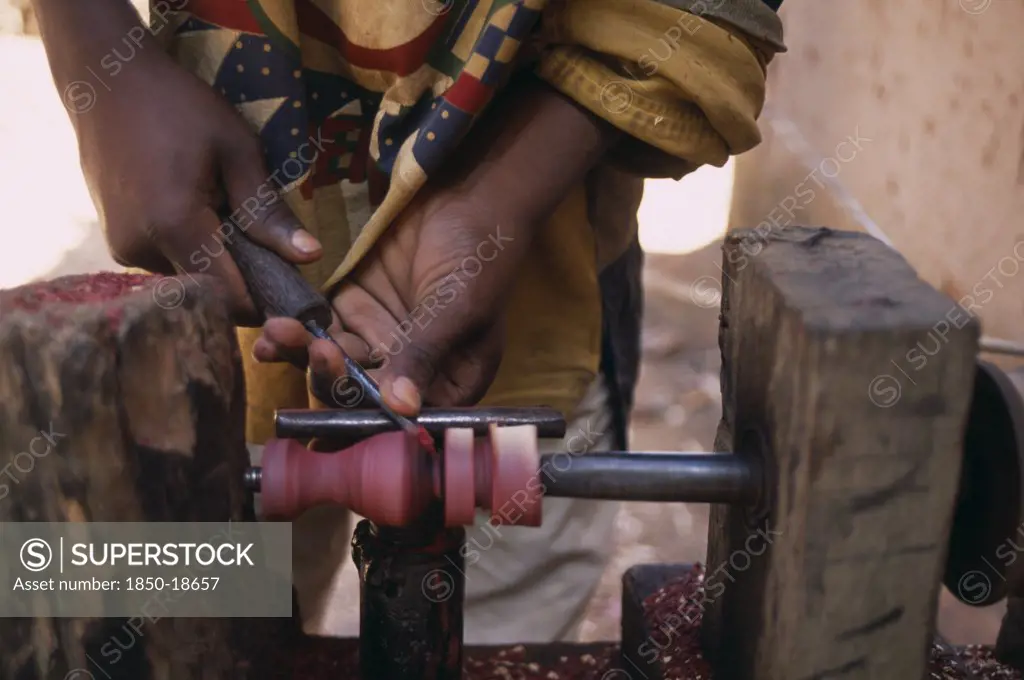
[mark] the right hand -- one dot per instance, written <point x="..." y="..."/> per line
<point x="162" y="153"/>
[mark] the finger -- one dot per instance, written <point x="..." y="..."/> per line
<point x="180" y="249"/>
<point x="354" y="347"/>
<point x="266" y="352"/>
<point x="408" y="373"/>
<point x="326" y="359"/>
<point x="287" y="333"/>
<point x="257" y="208"/>
<point x="366" y="318"/>
<point x="284" y="339"/>
<point x="328" y="378"/>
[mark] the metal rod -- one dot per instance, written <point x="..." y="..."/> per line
<point x="357" y="424"/>
<point x="252" y="479"/>
<point x="658" y="477"/>
<point x="730" y="478"/>
<point x="1000" y="346"/>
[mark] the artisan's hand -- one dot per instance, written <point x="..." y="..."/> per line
<point x="426" y="304"/>
<point x="162" y="153"/>
<point x="429" y="299"/>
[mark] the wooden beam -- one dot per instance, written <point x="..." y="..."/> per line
<point x="853" y="378"/>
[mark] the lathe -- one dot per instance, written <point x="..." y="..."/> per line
<point x="865" y="457"/>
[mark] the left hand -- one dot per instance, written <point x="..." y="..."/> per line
<point x="429" y="299"/>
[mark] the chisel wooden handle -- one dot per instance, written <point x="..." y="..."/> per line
<point x="278" y="289"/>
<point x="276" y="286"/>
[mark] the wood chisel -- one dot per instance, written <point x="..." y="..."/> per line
<point x="278" y="289"/>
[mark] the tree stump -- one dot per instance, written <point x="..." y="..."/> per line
<point x="122" y="400"/>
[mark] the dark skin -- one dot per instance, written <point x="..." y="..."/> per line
<point x="161" y="152"/>
<point x="519" y="162"/>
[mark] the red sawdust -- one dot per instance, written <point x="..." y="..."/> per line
<point x="425" y="440"/>
<point x="318" y="659"/>
<point x="515" y="663"/>
<point x="54" y="298"/>
<point x="977" y="660"/>
<point x="75" y="289"/>
<point x="339" y="660"/>
<point x="673" y="617"/>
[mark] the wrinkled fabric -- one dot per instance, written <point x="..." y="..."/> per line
<point x="357" y="104"/>
<point x="757" y="18"/>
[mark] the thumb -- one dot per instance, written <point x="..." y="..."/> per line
<point x="257" y="207"/>
<point x="409" y="368"/>
<point x="451" y="363"/>
<point x="419" y="348"/>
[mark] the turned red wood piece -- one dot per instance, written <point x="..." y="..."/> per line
<point x="391" y="480"/>
<point x="515" y="465"/>
<point x="387" y="479"/>
<point x="459" y="477"/>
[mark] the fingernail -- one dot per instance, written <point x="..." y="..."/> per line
<point x="406" y="392"/>
<point x="305" y="242"/>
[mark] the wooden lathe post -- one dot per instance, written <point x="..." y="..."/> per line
<point x="852" y="378"/>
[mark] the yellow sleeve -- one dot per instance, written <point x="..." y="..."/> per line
<point x="687" y="90"/>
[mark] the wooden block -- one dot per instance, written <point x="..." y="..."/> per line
<point x="854" y="377"/>
<point x="121" y="400"/>
<point x="1010" y="643"/>
<point x="643" y="639"/>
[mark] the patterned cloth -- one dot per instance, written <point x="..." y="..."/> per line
<point x="358" y="102"/>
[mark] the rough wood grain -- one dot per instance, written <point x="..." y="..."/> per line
<point x="856" y="376"/>
<point x="124" y="403"/>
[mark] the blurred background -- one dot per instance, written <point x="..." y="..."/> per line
<point x="902" y="119"/>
